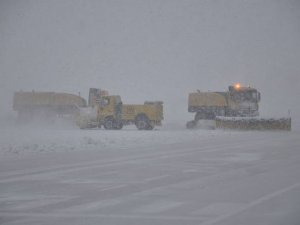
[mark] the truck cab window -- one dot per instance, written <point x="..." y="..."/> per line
<point x="104" y="102"/>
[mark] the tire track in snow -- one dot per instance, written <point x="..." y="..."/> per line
<point x="252" y="204"/>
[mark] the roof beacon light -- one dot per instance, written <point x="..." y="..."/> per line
<point x="237" y="86"/>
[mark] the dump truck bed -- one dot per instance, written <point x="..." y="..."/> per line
<point x="56" y="103"/>
<point x="27" y="99"/>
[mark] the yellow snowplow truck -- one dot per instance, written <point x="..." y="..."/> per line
<point x="45" y="104"/>
<point x="236" y="108"/>
<point x="109" y="111"/>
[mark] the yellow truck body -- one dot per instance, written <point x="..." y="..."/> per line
<point x="27" y="99"/>
<point x="236" y="108"/>
<point x="237" y="101"/>
<point x="50" y="103"/>
<point x="154" y="112"/>
<point x="206" y="99"/>
<point x="110" y="112"/>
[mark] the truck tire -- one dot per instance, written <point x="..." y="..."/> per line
<point x="200" y="116"/>
<point x="191" y="124"/>
<point x="83" y="126"/>
<point x="118" y="125"/>
<point x="150" y="127"/>
<point x="109" y="123"/>
<point x="142" y="122"/>
<point x="210" y="116"/>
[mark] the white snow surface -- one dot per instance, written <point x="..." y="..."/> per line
<point x="60" y="174"/>
<point x="160" y="50"/>
<point x="36" y="139"/>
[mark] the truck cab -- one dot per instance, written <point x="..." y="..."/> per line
<point x="243" y="101"/>
<point x="103" y="110"/>
<point x="109" y="112"/>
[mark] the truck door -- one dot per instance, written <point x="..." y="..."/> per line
<point x="118" y="108"/>
<point x="105" y="107"/>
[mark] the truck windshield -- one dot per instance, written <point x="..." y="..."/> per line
<point x="118" y="100"/>
<point x="245" y="96"/>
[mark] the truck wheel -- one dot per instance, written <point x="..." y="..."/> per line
<point x="142" y="122"/>
<point x="109" y="123"/>
<point x="118" y="125"/>
<point x="191" y="124"/>
<point x="210" y="116"/>
<point x="200" y="116"/>
<point x="83" y="126"/>
<point x="150" y="127"/>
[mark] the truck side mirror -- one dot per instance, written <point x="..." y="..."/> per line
<point x="258" y="96"/>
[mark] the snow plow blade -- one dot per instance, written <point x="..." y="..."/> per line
<point x="246" y="123"/>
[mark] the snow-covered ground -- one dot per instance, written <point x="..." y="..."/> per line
<point x="35" y="139"/>
<point x="56" y="174"/>
<point x="62" y="135"/>
<point x="59" y="174"/>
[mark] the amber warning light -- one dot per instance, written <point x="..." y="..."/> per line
<point x="237" y="86"/>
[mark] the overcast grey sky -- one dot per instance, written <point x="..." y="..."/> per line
<point x="152" y="49"/>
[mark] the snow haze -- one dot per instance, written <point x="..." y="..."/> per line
<point x="152" y="50"/>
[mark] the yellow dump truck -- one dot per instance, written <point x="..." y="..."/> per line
<point x="108" y="111"/>
<point x="31" y="104"/>
<point x="236" y="108"/>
